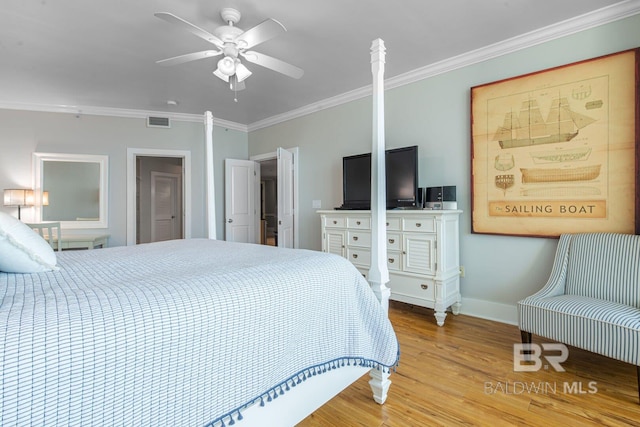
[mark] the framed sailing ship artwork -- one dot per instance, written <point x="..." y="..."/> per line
<point x="556" y="151"/>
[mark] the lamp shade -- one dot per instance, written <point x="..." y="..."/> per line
<point x="18" y="197"/>
<point x="45" y="198"/>
<point x="227" y="66"/>
<point x="219" y="75"/>
<point x="242" y="72"/>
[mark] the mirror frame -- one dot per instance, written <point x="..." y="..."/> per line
<point x="38" y="178"/>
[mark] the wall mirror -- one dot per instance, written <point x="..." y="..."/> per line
<point x="74" y="187"/>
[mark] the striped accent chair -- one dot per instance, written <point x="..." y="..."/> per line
<point x="592" y="298"/>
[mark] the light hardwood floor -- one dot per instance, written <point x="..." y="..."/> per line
<point x="462" y="374"/>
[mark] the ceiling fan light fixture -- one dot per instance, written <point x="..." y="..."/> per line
<point x="221" y="76"/>
<point x="231" y="42"/>
<point x="242" y="72"/>
<point x="227" y="66"/>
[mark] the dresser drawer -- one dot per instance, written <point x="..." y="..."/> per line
<point x="359" y="257"/>
<point x="394" y="241"/>
<point x="393" y="224"/>
<point x="335" y="222"/>
<point x="412" y="288"/>
<point x="419" y="224"/>
<point x="394" y="261"/>
<point x="359" y="238"/>
<point x="361" y="223"/>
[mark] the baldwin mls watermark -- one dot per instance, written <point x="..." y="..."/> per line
<point x="528" y="357"/>
<point x="532" y="358"/>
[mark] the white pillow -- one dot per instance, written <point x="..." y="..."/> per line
<point x="22" y="250"/>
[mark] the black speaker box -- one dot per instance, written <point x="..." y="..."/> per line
<point x="443" y="197"/>
<point x="421" y="197"/>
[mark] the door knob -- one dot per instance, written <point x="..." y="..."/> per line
<point x="230" y="220"/>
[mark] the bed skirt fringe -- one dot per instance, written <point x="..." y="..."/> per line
<point x="231" y="417"/>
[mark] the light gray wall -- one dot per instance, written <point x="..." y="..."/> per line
<point x="25" y="132"/>
<point x="434" y="114"/>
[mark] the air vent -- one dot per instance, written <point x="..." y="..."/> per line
<point x="158" y="122"/>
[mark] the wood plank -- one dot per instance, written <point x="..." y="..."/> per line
<point x="462" y="374"/>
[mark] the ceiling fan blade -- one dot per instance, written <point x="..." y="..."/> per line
<point x="266" y="30"/>
<point x="173" y="19"/>
<point x="273" y="64"/>
<point x="189" y="57"/>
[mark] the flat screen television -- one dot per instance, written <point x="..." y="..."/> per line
<point x="402" y="177"/>
<point x="401" y="165"/>
<point x="356" y="181"/>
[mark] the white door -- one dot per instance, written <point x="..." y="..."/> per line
<point x="285" y="198"/>
<point x="165" y="215"/>
<point x="242" y="180"/>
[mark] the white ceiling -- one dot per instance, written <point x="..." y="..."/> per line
<point x="102" y="53"/>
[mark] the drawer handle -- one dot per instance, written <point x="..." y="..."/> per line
<point x="355" y="255"/>
<point x="418" y="225"/>
<point x="335" y="222"/>
<point x="358" y="222"/>
<point x="404" y="252"/>
<point x="391" y="260"/>
<point x="425" y="287"/>
<point x="392" y="241"/>
<point x="387" y="224"/>
<point x="355" y="238"/>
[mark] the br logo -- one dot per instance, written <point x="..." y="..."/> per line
<point x="528" y="357"/>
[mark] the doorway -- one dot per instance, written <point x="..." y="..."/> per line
<point x="269" y="202"/>
<point x="243" y="199"/>
<point x="158" y="199"/>
<point x="158" y="195"/>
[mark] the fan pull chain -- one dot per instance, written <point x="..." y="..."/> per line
<point x="235" y="91"/>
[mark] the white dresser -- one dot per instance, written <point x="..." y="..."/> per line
<point x="423" y="254"/>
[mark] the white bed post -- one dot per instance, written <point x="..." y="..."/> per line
<point x="378" y="273"/>
<point x="211" y="191"/>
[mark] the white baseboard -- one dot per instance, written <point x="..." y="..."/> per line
<point x="504" y="313"/>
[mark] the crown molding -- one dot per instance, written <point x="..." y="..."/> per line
<point x="119" y="112"/>
<point x="542" y="35"/>
<point x="312" y="108"/>
<point x="570" y="26"/>
<point x="564" y="28"/>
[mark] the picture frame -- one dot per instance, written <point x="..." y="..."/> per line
<point x="556" y="151"/>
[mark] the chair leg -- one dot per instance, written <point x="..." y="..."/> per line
<point x="526" y="339"/>
<point x="638" y="372"/>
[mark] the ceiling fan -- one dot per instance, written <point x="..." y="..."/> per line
<point x="233" y="43"/>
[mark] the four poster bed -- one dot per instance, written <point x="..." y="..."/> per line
<point x="193" y="332"/>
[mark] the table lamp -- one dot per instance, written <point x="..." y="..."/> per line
<point x="18" y="197"/>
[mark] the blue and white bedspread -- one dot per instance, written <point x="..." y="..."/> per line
<point x="178" y="333"/>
